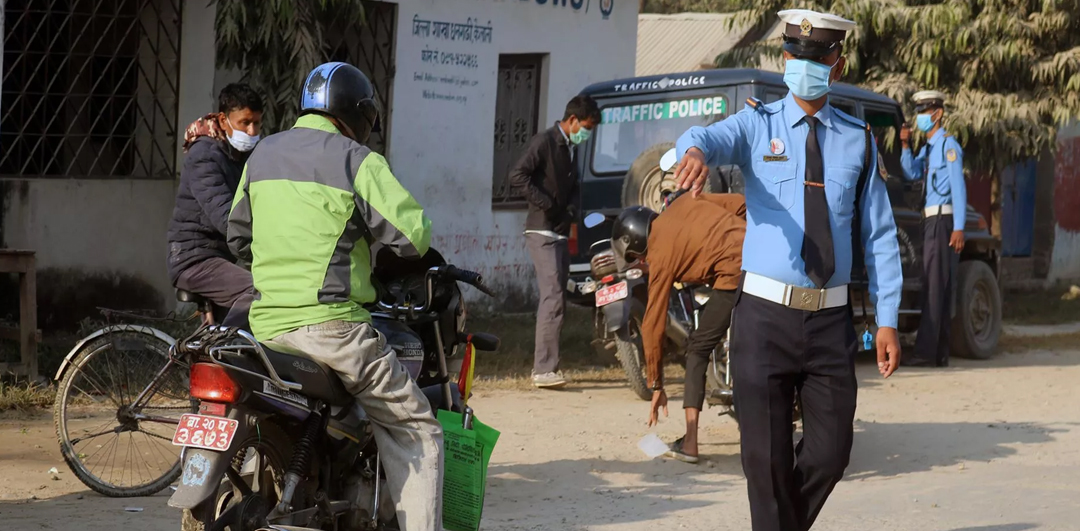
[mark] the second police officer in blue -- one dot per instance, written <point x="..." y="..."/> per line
<point x="941" y="163"/>
<point x="792" y="328"/>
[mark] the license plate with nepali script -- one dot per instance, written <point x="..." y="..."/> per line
<point x="208" y="433"/>
<point x="610" y="294"/>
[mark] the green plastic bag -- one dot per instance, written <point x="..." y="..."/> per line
<point x="466" y="454"/>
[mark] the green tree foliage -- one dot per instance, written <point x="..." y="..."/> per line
<point x="1010" y="67"/>
<point x="277" y="42"/>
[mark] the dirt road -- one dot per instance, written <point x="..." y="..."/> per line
<point x="981" y="446"/>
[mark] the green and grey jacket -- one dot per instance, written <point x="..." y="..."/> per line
<point x="310" y="203"/>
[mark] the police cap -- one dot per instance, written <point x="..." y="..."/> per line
<point x="812" y="34"/>
<point x="928" y="99"/>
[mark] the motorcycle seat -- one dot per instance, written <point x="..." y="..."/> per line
<point x="316" y="378"/>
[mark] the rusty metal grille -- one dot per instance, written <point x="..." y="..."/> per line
<point x="517" y="108"/>
<point x="90" y="88"/>
<point x="368" y="44"/>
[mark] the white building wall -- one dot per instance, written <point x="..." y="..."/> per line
<point x="108" y="226"/>
<point x="442" y="150"/>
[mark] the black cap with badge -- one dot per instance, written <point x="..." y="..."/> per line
<point x="810" y="34"/>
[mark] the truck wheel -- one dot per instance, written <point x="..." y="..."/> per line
<point x="976" y="326"/>
<point x="647" y="186"/>
<point x="631" y="354"/>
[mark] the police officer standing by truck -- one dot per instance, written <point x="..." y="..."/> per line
<point x="941" y="163"/>
<point x="813" y="198"/>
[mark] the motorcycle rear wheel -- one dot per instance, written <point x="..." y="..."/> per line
<point x="272" y="448"/>
<point x="631" y="353"/>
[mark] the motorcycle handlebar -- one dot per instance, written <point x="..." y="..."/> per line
<point x="468" y="277"/>
<point x="447" y="272"/>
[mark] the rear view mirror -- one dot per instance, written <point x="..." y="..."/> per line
<point x="594" y="219"/>
<point x="667" y="162"/>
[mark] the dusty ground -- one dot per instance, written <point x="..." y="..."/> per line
<point x="981" y="446"/>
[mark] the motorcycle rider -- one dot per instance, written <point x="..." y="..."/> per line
<point x="695" y="240"/>
<point x="311" y="202"/>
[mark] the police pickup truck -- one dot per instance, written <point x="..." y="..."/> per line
<point x="641" y="119"/>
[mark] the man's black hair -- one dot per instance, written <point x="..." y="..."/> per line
<point x="239" y="96"/>
<point x="584" y="108"/>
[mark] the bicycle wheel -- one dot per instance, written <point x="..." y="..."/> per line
<point x="115" y="443"/>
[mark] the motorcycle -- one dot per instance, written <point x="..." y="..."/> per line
<point x="279" y="444"/>
<point x="621" y="298"/>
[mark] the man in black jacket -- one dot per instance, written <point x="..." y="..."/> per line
<point x="216" y="146"/>
<point x="548" y="175"/>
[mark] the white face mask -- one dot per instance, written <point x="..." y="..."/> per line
<point x="240" y="140"/>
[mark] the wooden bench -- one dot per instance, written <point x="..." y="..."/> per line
<point x="27" y="334"/>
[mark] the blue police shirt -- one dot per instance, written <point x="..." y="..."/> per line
<point x="943" y="159"/>
<point x="769" y="145"/>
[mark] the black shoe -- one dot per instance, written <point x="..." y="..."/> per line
<point x="917" y="362"/>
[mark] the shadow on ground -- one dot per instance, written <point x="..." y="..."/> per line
<point x="884" y="450"/>
<point x="520" y="495"/>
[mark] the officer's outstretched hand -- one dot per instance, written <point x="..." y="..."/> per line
<point x="692" y="172"/>
<point x="888" y="351"/>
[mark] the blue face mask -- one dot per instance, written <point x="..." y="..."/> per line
<point x="240" y="140"/>
<point x="808" y="80"/>
<point x="925" y="122"/>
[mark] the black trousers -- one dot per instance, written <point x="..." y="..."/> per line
<point x="712" y="326"/>
<point x="225" y="284"/>
<point x="774" y="351"/>
<point x="932" y="340"/>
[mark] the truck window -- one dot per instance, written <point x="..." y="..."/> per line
<point x="628" y="129"/>
<point x="884" y="123"/>
<point x="844" y="105"/>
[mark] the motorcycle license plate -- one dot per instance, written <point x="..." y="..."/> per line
<point x="208" y="433"/>
<point x="610" y="294"/>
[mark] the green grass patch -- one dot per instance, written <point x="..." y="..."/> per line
<point x="1039" y="307"/>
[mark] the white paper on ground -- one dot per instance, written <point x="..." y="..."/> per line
<point x="652" y="446"/>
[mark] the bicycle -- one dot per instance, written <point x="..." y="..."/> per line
<point x="121" y="392"/>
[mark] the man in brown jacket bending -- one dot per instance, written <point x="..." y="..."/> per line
<point x="695" y="240"/>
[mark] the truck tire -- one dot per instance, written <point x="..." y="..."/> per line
<point x="976" y="326"/>
<point x="631" y="353"/>
<point x="647" y="186"/>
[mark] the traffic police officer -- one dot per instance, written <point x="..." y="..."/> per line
<point x="792" y="329"/>
<point x="941" y="163"/>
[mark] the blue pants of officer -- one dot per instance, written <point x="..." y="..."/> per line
<point x="932" y="341"/>
<point x="776" y="350"/>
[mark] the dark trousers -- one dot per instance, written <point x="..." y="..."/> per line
<point x="225" y="284"/>
<point x="775" y="351"/>
<point x="713" y="322"/>
<point x="551" y="258"/>
<point x="932" y="341"/>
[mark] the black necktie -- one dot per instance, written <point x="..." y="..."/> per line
<point x="817" y="249"/>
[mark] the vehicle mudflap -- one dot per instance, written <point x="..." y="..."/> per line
<point x="202" y="470"/>
<point x="616" y="315"/>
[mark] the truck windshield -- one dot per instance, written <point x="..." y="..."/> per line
<point x="628" y="129"/>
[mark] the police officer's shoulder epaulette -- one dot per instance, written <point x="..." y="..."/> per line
<point x="851" y="119"/>
<point x="759" y="106"/>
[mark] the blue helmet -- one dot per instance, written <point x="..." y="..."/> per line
<point x="342" y="91"/>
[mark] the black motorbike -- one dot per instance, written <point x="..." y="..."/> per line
<point x="621" y="298"/>
<point x="279" y="443"/>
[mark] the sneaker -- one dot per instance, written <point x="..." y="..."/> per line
<point x="550" y="380"/>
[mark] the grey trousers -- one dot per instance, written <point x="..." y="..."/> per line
<point x="410" y="439"/>
<point x="551" y="258"/>
<point x="932" y="340"/>
<point x="225" y="284"/>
